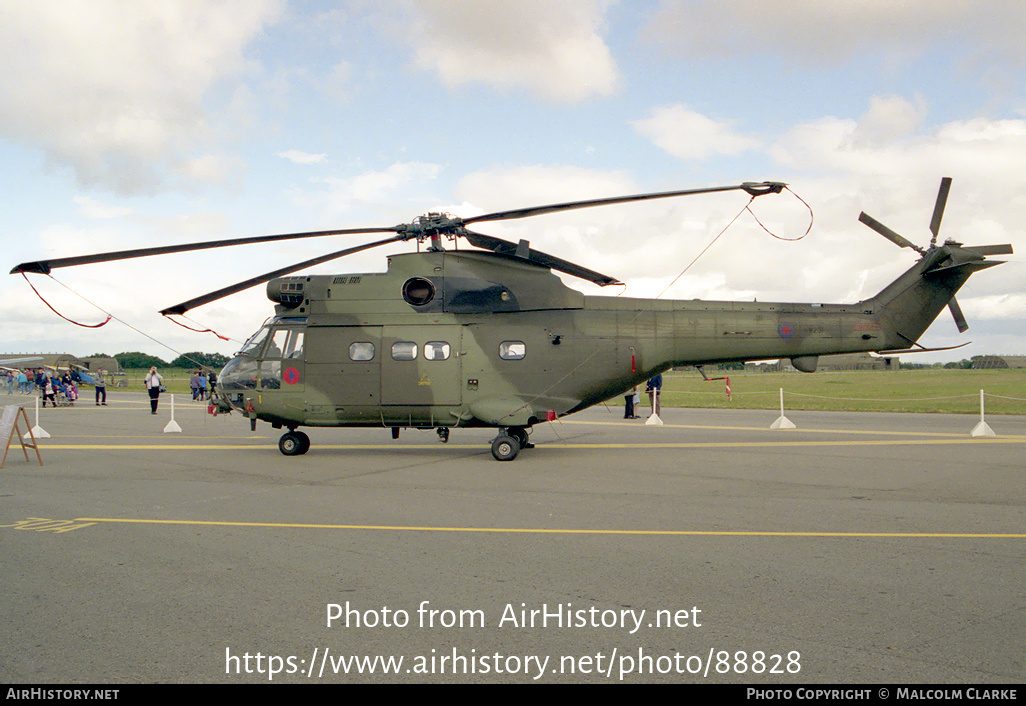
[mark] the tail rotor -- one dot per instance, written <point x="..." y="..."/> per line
<point x="946" y="257"/>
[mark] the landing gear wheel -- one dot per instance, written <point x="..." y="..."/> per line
<point x="294" y="443"/>
<point x="505" y="448"/>
<point x="443" y="434"/>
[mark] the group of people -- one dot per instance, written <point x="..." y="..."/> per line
<point x="202" y="384"/>
<point x="51" y="386"/>
<point x="632" y="400"/>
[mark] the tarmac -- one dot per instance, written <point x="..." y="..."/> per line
<point x="857" y="548"/>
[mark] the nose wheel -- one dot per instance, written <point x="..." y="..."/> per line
<point x="294" y="443"/>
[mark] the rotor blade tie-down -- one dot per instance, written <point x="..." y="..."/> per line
<point x="196" y="330"/>
<point x="42" y="299"/>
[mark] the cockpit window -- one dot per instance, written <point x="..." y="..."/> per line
<point x="255" y="343"/>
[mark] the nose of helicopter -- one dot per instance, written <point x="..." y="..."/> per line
<point x="238" y="376"/>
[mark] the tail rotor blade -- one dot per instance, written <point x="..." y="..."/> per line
<point x="886" y="232"/>
<point x="938" y="209"/>
<point x="956" y="311"/>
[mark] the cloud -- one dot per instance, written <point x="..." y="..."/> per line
<point x="119" y="92"/>
<point x="552" y="48"/>
<point x="91" y="208"/>
<point x="689" y="135"/>
<point x="837" y="30"/>
<point x="300" y="157"/>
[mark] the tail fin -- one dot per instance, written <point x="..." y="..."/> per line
<point x="911" y="303"/>
<point x="908" y="306"/>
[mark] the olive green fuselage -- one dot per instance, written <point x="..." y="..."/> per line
<point x="474" y="339"/>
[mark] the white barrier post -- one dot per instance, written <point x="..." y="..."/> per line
<point x="654" y="420"/>
<point x="37" y="430"/>
<point x="172" y="426"/>
<point x="982" y="429"/>
<point x="782" y="421"/>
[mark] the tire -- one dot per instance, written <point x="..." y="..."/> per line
<point x="505" y="448"/>
<point x="291" y="444"/>
<point x="304" y="440"/>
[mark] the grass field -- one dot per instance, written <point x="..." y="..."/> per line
<point x="950" y="391"/>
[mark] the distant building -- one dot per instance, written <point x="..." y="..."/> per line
<point x="66" y="360"/>
<point x="990" y="362"/>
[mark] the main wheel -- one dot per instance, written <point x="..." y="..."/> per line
<point x="304" y="440"/>
<point x="292" y="443"/>
<point x="505" y="448"/>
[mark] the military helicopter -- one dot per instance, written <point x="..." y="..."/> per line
<point x="492" y="338"/>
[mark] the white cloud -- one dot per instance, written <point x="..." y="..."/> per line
<point x="91" y="208"/>
<point x="552" y="47"/>
<point x="835" y="30"/>
<point x="690" y="135"/>
<point x="300" y="157"/>
<point x="117" y="91"/>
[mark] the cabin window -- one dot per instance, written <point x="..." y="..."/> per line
<point x="436" y="350"/>
<point x="404" y="350"/>
<point x="512" y="350"/>
<point x="361" y="350"/>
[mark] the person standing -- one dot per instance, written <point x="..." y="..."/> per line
<point x="154" y="383"/>
<point x="194" y="385"/>
<point x="48" y="390"/>
<point x="655" y="386"/>
<point x="202" y="385"/>
<point x="628" y="403"/>
<point x="101" y="388"/>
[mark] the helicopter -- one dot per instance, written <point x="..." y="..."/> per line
<point x="450" y="338"/>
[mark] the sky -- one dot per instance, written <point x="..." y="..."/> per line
<point x="128" y="125"/>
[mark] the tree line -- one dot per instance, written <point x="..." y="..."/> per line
<point x="196" y="359"/>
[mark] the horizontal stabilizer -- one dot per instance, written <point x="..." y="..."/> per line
<point x="1005" y="249"/>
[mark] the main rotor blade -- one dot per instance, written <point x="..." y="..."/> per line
<point x="45" y="266"/>
<point x="886" y="232"/>
<point x="253" y="281"/>
<point x="938" y="208"/>
<point x="505" y="247"/>
<point x="755" y="189"/>
<point x="956" y="311"/>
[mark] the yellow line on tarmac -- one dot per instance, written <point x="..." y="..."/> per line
<point x="529" y="530"/>
<point x="582" y="445"/>
<point x="789" y="431"/>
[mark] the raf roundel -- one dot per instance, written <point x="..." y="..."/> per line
<point x="786" y="330"/>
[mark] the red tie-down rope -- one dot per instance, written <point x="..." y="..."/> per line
<point x="42" y="299"/>
<point x="197" y="330"/>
